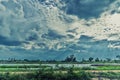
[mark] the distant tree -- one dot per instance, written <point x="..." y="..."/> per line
<point x="108" y="59"/>
<point x="116" y="61"/>
<point x="91" y="59"/>
<point x="67" y="59"/>
<point x="97" y="60"/>
<point x="26" y="60"/>
<point x="118" y="56"/>
<point x="101" y="60"/>
<point x="83" y="60"/>
<point x="70" y="58"/>
<point x="51" y="60"/>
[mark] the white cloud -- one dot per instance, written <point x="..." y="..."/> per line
<point x="21" y="18"/>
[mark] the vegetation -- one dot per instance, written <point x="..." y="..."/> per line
<point x="70" y="58"/>
<point x="29" y="71"/>
<point x="91" y="59"/>
<point x="108" y="67"/>
<point x="97" y="60"/>
<point x="48" y="75"/>
<point x="110" y="75"/>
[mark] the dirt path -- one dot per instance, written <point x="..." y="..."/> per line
<point x="102" y="71"/>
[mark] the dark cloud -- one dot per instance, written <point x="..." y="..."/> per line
<point x="32" y="27"/>
<point x="86" y="8"/>
<point x="5" y="41"/>
<point x="85" y="38"/>
<point x="52" y="35"/>
<point x="32" y="37"/>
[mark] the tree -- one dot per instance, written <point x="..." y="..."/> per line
<point x="118" y="56"/>
<point x="97" y="60"/>
<point x="108" y="59"/>
<point x="91" y="59"/>
<point x="70" y="58"/>
<point x="83" y="60"/>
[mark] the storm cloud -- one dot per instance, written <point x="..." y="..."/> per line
<point x="59" y="26"/>
<point x="87" y="8"/>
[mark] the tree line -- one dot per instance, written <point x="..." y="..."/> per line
<point x="70" y="58"/>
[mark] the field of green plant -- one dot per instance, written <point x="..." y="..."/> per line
<point x="20" y="67"/>
<point x="109" y="67"/>
<point x="34" y="67"/>
<point x="42" y="72"/>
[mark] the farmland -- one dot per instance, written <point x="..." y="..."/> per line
<point x="68" y="69"/>
<point x="91" y="70"/>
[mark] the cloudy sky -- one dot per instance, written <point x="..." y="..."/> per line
<point x="54" y="29"/>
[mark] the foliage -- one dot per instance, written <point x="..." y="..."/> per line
<point x="97" y="60"/>
<point x="91" y="59"/>
<point x="111" y="75"/>
<point x="47" y="75"/>
<point x="70" y="58"/>
<point x="108" y="67"/>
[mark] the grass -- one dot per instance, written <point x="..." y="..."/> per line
<point x="113" y="75"/>
<point x="108" y="67"/>
<point x="25" y="69"/>
<point x="19" y="68"/>
<point x="37" y="67"/>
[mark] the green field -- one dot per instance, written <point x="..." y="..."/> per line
<point x="34" y="67"/>
<point x="20" y="68"/>
<point x="105" y="71"/>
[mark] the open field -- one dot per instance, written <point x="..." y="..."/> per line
<point x="77" y="67"/>
<point x="98" y="71"/>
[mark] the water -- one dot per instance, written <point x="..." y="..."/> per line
<point x="67" y="65"/>
<point x="51" y="65"/>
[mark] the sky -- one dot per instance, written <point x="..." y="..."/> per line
<point x="54" y="29"/>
